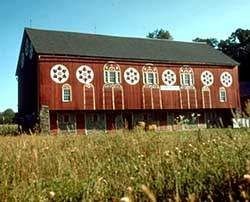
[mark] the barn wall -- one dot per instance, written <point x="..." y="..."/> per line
<point x="27" y="80"/>
<point x="128" y="96"/>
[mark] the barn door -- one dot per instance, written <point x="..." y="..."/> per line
<point x="95" y="122"/>
<point x="128" y="119"/>
<point x="66" y="122"/>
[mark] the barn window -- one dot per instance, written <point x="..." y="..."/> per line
<point x="112" y="73"/>
<point x="150" y="74"/>
<point x="187" y="76"/>
<point x="66" y="93"/>
<point x="223" y="94"/>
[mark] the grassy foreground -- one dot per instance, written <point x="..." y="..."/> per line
<point x="187" y="166"/>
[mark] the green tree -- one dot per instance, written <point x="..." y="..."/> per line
<point x="210" y="41"/>
<point x="6" y="117"/>
<point x="160" y="34"/>
<point x="237" y="46"/>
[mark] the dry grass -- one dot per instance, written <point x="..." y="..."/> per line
<point x="188" y="166"/>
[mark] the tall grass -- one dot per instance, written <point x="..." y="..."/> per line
<point x="205" y="165"/>
<point x="8" y="129"/>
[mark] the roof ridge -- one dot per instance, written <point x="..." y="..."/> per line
<point x="115" y="36"/>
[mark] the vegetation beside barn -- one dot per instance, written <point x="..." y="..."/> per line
<point x="206" y="165"/>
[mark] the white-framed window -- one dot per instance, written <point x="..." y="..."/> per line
<point x="150" y="74"/>
<point x="112" y="73"/>
<point x="187" y="76"/>
<point x="66" y="93"/>
<point x="222" y="94"/>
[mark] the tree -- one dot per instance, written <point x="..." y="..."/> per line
<point x="160" y="34"/>
<point x="210" y="41"/>
<point x="237" y="46"/>
<point x="7" y="116"/>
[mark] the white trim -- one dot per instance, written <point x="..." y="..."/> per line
<point x="112" y="67"/>
<point x="222" y="90"/>
<point x="66" y="87"/>
<point x="186" y="72"/>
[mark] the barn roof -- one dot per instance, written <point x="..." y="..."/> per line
<point x="93" y="45"/>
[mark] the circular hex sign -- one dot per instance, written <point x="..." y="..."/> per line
<point x="131" y="76"/>
<point x="59" y="73"/>
<point x="226" y="79"/>
<point x="168" y="77"/>
<point x="84" y="74"/>
<point x="207" y="78"/>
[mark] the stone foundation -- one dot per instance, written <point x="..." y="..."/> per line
<point x="44" y="119"/>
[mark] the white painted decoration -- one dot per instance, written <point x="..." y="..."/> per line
<point x="168" y="77"/>
<point x="131" y="76"/>
<point x="169" y="88"/>
<point x="207" y="78"/>
<point x="226" y="79"/>
<point x="85" y="74"/>
<point x="59" y="73"/>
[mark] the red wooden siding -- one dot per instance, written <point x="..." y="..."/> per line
<point x="137" y="96"/>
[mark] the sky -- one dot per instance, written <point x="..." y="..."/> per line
<point x="185" y="20"/>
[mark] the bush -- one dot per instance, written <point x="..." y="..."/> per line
<point x="8" y="129"/>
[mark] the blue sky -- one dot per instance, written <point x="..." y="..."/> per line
<point x="185" y="20"/>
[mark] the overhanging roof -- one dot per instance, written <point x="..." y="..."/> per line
<point x="92" y="45"/>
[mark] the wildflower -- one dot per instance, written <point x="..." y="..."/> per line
<point x="130" y="189"/>
<point x="52" y="194"/>
<point x="125" y="199"/>
<point x="167" y="153"/>
<point x="247" y="177"/>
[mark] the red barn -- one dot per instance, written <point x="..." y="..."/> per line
<point x="83" y="82"/>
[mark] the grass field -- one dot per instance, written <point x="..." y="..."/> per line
<point x="171" y="166"/>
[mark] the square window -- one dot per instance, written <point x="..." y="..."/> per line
<point x="150" y="79"/>
<point x="187" y="79"/>
<point x="223" y="97"/>
<point x="112" y="77"/>
<point x="66" y="95"/>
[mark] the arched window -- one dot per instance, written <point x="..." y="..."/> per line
<point x="112" y="73"/>
<point x="66" y="93"/>
<point x="223" y="94"/>
<point x="150" y="74"/>
<point x="186" y="76"/>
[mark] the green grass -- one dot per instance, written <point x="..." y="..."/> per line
<point x="8" y="129"/>
<point x="204" y="165"/>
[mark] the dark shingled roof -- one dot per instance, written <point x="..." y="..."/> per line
<point x="78" y="44"/>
